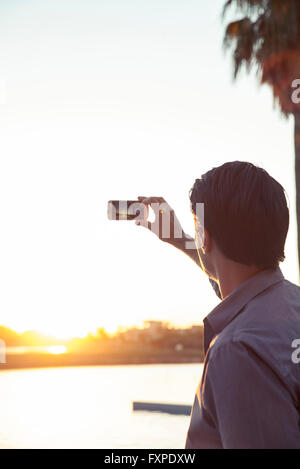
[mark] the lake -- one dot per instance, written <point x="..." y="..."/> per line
<point x="91" y="407"/>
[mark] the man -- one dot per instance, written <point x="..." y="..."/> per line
<point x="249" y="393"/>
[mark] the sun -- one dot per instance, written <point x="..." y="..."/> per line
<point x="56" y="349"/>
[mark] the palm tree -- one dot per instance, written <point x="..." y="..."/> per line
<point x="267" y="38"/>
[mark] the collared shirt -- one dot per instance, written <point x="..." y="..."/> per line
<point x="215" y="287"/>
<point x="249" y="393"/>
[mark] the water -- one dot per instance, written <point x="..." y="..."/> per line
<point x="90" y="407"/>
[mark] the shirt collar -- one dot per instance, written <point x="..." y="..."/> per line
<point x="229" y="308"/>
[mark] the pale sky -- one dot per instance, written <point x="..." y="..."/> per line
<point x="111" y="99"/>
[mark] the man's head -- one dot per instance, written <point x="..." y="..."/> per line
<point x="246" y="217"/>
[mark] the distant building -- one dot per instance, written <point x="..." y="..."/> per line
<point x="155" y="329"/>
<point x="132" y="335"/>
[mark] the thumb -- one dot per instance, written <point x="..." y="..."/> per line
<point x="144" y="223"/>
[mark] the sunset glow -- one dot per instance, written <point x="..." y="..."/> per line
<point x="112" y="100"/>
<point x="56" y="349"/>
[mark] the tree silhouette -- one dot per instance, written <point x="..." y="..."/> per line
<point x="267" y="38"/>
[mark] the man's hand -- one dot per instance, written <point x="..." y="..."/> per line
<point x="166" y="225"/>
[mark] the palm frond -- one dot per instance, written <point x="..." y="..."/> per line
<point x="247" y="7"/>
<point x="268" y="42"/>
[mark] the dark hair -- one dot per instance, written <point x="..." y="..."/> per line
<point x="245" y="212"/>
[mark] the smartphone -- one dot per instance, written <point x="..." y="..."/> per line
<point x="126" y="210"/>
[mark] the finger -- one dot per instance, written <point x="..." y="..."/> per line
<point x="158" y="199"/>
<point x="150" y="200"/>
<point x="144" y="223"/>
<point x="146" y="200"/>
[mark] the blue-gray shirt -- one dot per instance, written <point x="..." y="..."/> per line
<point x="249" y="393"/>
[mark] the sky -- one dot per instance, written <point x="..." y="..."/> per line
<point x="112" y="99"/>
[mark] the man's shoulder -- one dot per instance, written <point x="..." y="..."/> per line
<point x="266" y="327"/>
<point x="273" y="308"/>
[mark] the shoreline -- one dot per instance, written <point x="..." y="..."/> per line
<point x="154" y="357"/>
